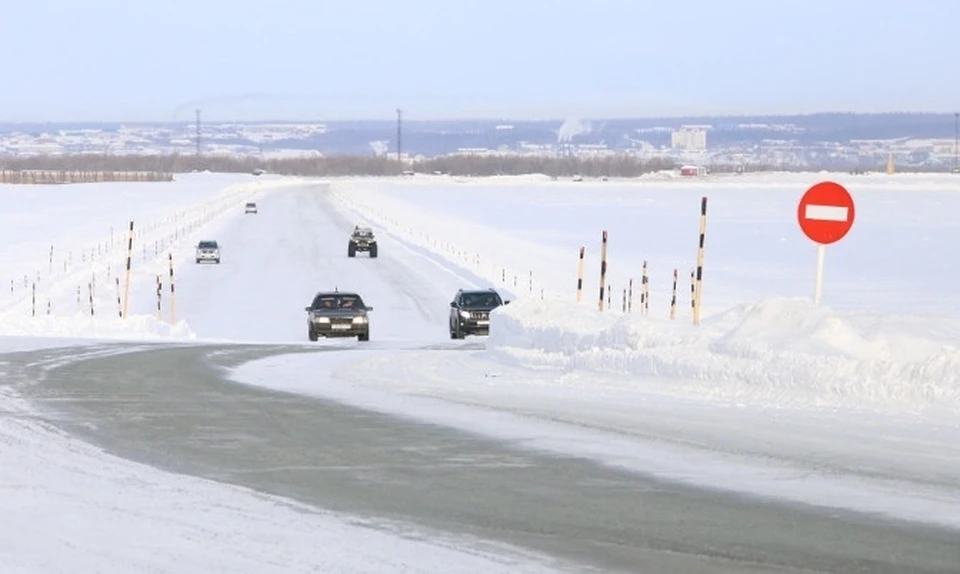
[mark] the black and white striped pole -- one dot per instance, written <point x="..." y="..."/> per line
<point x="126" y="287"/>
<point x="159" y="298"/>
<point x="119" y="303"/>
<point x="698" y="298"/>
<point x="173" y="293"/>
<point x="603" y="268"/>
<point x="693" y="290"/>
<point x="673" y="298"/>
<point x="644" y="291"/>
<point x="580" y="275"/>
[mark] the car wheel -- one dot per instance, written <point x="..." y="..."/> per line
<point x="373" y="251"/>
<point x="311" y="334"/>
<point x="364" y="337"/>
<point x="351" y="250"/>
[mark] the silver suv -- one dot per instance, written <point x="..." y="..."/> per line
<point x="208" y="251"/>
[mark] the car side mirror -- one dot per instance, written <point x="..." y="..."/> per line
<point x="308" y="308"/>
<point x="453" y="304"/>
<point x="369" y="308"/>
<point x="507" y="302"/>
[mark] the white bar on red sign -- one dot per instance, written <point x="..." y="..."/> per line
<point x="826" y="212"/>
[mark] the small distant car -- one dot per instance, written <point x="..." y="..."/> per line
<point x="259" y="171"/>
<point x="338" y="314"/>
<point x="470" y="311"/>
<point x="362" y="239"/>
<point x="208" y="251"/>
<point x="250" y="207"/>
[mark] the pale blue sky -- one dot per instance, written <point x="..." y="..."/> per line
<point x="524" y="59"/>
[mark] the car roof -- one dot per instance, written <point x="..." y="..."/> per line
<point x="208" y="241"/>
<point x="478" y="291"/>
<point x="363" y="229"/>
<point x="336" y="294"/>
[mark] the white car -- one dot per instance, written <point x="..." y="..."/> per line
<point x="250" y="207"/>
<point x="208" y="251"/>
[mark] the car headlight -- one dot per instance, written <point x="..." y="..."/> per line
<point x="321" y="319"/>
<point x="465" y="314"/>
<point x="359" y="319"/>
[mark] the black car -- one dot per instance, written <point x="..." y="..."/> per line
<point x="470" y="311"/>
<point x="362" y="239"/>
<point x="338" y="314"/>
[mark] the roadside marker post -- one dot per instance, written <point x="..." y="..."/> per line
<point x="580" y="275"/>
<point x="826" y="213"/>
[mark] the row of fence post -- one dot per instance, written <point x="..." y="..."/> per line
<point x="605" y="292"/>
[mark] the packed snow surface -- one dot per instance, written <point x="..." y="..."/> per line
<point x="68" y="506"/>
<point x="768" y="394"/>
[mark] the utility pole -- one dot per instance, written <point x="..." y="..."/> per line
<point x="399" y="138"/>
<point x="198" y="133"/>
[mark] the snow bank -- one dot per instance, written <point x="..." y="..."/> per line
<point x="81" y="326"/>
<point x="781" y="351"/>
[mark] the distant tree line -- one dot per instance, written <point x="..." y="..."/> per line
<point x="343" y="165"/>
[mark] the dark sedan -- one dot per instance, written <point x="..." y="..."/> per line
<point x="338" y="314"/>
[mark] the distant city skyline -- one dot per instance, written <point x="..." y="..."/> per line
<point x="115" y="61"/>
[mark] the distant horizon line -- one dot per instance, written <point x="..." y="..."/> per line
<point x="505" y="120"/>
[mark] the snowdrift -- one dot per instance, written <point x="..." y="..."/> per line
<point x="81" y="326"/>
<point x="779" y="351"/>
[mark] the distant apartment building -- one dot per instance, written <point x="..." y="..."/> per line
<point x="689" y="138"/>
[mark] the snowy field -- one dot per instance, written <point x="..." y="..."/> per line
<point x="853" y="404"/>
<point x="886" y="337"/>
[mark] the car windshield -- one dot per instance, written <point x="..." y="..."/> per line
<point x="251" y="204"/>
<point x="330" y="301"/>
<point x="363" y="233"/>
<point x="207" y="245"/>
<point x="486" y="299"/>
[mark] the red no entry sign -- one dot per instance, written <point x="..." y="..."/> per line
<point x="826" y="212"/>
